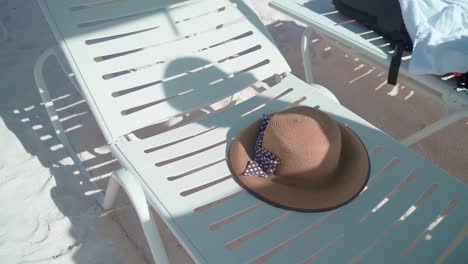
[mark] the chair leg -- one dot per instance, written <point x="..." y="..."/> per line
<point x="305" y="48"/>
<point x="309" y="77"/>
<point x="111" y="193"/>
<point x="54" y="118"/>
<point x="67" y="71"/>
<point x="137" y="197"/>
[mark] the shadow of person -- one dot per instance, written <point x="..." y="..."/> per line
<point x="195" y="87"/>
<point x="202" y="83"/>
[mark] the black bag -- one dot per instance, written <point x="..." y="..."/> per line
<point x="384" y="17"/>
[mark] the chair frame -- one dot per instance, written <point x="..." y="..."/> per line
<point x="120" y="178"/>
<point x="432" y="86"/>
<point x="139" y="192"/>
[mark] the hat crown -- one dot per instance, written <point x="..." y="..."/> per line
<point x="308" y="143"/>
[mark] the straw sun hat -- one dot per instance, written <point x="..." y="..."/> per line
<point x="300" y="159"/>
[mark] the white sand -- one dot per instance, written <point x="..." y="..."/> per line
<point x="48" y="213"/>
<point x="44" y="215"/>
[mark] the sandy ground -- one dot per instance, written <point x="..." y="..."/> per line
<point x="45" y="216"/>
<point x="49" y="214"/>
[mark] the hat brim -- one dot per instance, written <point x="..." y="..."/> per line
<point x="349" y="180"/>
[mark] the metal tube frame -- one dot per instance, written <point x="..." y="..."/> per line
<point x="120" y="178"/>
<point x="444" y="95"/>
<point x="53" y="116"/>
<point x="305" y="48"/>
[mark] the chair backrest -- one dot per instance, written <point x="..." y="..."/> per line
<point x="143" y="61"/>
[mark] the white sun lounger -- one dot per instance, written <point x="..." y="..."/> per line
<point x="139" y="62"/>
<point x="321" y="16"/>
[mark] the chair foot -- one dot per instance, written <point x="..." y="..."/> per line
<point x="137" y="197"/>
<point x="111" y="193"/>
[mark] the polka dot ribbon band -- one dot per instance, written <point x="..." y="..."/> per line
<point x="264" y="163"/>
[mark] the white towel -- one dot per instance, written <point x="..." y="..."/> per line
<point x="439" y="30"/>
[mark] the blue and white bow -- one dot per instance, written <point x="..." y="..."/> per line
<point x="264" y="162"/>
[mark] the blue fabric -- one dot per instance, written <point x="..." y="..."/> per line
<point x="439" y="30"/>
<point x="264" y="163"/>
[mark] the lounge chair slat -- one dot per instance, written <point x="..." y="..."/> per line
<point x="172" y="50"/>
<point x="175" y="9"/>
<point x="113" y="19"/>
<point x="432" y="247"/>
<point x="191" y="67"/>
<point x="222" y="133"/>
<point x="172" y="108"/>
<point x="156" y="34"/>
<point x="409" y="229"/>
<point x="142" y="160"/>
<point x="358" y="236"/>
<point x="293" y="226"/>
